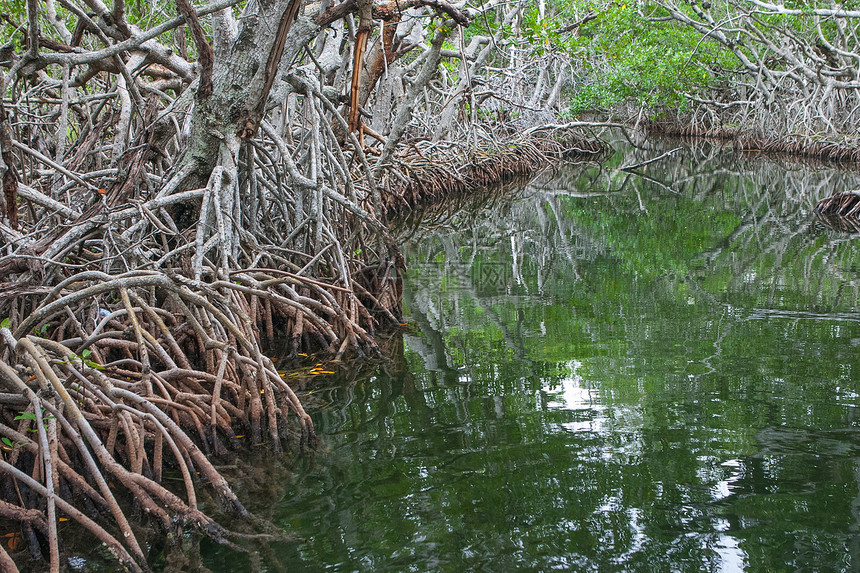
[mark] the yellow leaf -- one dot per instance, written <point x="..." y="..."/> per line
<point x="15" y="542"/>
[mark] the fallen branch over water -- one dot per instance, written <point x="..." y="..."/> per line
<point x="649" y="161"/>
<point x="843" y="204"/>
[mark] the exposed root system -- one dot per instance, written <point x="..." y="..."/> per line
<point x="745" y="141"/>
<point x="840" y="211"/>
<point x="167" y="212"/>
<point x="123" y="388"/>
<point x="841" y="224"/>
<point x="442" y="177"/>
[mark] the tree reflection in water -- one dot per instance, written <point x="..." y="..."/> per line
<point x="615" y="372"/>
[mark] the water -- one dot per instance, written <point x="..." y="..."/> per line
<point x="607" y="373"/>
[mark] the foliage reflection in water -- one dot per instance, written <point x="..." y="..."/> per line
<point x="612" y="372"/>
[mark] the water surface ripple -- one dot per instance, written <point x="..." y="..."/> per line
<point x="611" y="372"/>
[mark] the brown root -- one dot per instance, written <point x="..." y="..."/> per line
<point x="112" y="371"/>
<point x="745" y="140"/>
<point x="439" y="180"/>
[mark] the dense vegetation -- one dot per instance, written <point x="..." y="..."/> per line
<point x="750" y="66"/>
<point x="182" y="183"/>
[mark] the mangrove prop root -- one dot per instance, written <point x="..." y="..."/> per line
<point x="438" y="179"/>
<point x="844" y="204"/>
<point x="153" y="240"/>
<point x="746" y="140"/>
<point x="118" y="377"/>
<point x="840" y="211"/>
<point x="99" y="377"/>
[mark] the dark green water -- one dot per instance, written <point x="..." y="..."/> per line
<point x="605" y="374"/>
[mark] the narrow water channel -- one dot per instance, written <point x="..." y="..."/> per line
<point x="607" y="372"/>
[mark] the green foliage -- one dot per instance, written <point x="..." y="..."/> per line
<point x="32" y="416"/>
<point x="543" y="34"/>
<point x="8" y="445"/>
<point x="622" y="54"/>
<point x="26" y="416"/>
<point x="84" y="359"/>
<point x="10" y="34"/>
<point x="654" y="64"/>
<point x="41" y="330"/>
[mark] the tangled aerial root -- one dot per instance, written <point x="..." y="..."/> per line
<point x="840" y="211"/>
<point x="106" y="379"/>
<point x="743" y="140"/>
<point x="431" y="181"/>
<point x="843" y="204"/>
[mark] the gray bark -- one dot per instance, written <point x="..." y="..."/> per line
<point x="239" y="80"/>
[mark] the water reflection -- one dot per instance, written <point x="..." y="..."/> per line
<point x="615" y="372"/>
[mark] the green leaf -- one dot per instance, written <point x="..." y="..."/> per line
<point x="4" y="323"/>
<point x="25" y="416"/>
<point x="86" y="353"/>
<point x="95" y="365"/>
<point x="7" y="441"/>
